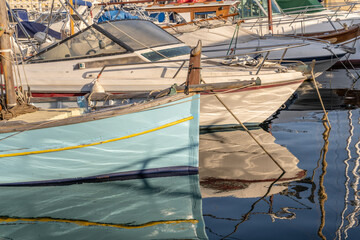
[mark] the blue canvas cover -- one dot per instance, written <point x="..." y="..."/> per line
<point x="33" y="27"/>
<point x="82" y="3"/>
<point x="115" y="15"/>
<point x="22" y="14"/>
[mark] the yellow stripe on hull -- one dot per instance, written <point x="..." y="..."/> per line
<point x="97" y="143"/>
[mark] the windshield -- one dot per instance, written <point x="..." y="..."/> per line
<point x="166" y="53"/>
<point x="256" y="8"/>
<point x="300" y="5"/>
<point x="139" y="34"/>
<point x="89" y="42"/>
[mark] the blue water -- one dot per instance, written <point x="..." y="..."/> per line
<point x="325" y="204"/>
<point x="240" y="192"/>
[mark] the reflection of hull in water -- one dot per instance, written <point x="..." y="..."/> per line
<point x="333" y="98"/>
<point x="232" y="164"/>
<point x="339" y="79"/>
<point x="153" y="208"/>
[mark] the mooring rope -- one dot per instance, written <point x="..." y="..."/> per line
<point x="318" y="93"/>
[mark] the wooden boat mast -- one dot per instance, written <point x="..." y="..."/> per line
<point x="11" y="106"/>
<point x="193" y="77"/>
<point x="270" y="16"/>
<point x="72" y="29"/>
<point x="5" y="50"/>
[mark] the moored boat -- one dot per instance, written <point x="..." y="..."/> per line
<point x="79" y="144"/>
<point x="158" y="136"/>
<point x="150" y="58"/>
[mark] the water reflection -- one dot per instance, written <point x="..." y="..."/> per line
<point x="340" y="79"/>
<point x="151" y="208"/>
<point x="322" y="196"/>
<point x="350" y="213"/>
<point x="334" y="99"/>
<point x="240" y="182"/>
<point x="332" y="189"/>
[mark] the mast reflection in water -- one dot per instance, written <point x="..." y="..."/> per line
<point x="330" y="156"/>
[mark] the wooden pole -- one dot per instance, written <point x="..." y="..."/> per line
<point x="72" y="29"/>
<point x="270" y="16"/>
<point x="193" y="77"/>
<point x="6" y="56"/>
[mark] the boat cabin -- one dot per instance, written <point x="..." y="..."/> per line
<point x="194" y="10"/>
<point x="203" y="10"/>
<point x="114" y="38"/>
<point x="290" y="6"/>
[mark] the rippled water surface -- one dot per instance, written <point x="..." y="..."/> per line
<point x="324" y="204"/>
<point x="300" y="182"/>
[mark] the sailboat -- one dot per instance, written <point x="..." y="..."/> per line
<point x="307" y="19"/>
<point x="71" y="145"/>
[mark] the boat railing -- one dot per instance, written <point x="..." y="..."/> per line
<point x="303" y="9"/>
<point x="228" y="56"/>
<point x="303" y="21"/>
<point x="335" y="8"/>
<point x="299" y="15"/>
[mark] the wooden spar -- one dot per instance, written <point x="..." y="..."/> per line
<point x="72" y="29"/>
<point x="202" y="20"/>
<point x="194" y="65"/>
<point x="198" y="88"/>
<point x="270" y="16"/>
<point x="146" y="1"/>
<point x="122" y="3"/>
<point x="5" y="48"/>
<point x="220" y="8"/>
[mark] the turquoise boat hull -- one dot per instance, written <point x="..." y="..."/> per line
<point x="164" y="138"/>
<point x="152" y="208"/>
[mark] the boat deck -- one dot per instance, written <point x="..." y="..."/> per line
<point x="48" y="115"/>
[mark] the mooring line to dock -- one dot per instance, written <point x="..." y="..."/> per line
<point x="247" y="130"/>
<point x="318" y="93"/>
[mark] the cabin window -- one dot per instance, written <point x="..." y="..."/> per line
<point x="139" y="34"/>
<point x="274" y="7"/>
<point x="204" y="15"/>
<point x="255" y="8"/>
<point x="88" y="43"/>
<point x="166" y="53"/>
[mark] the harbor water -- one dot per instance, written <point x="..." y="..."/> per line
<point x="300" y="181"/>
